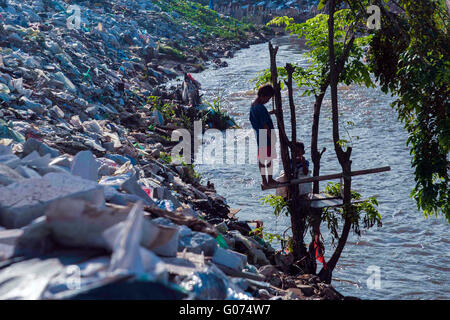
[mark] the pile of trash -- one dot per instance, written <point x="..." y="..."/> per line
<point x="92" y="49"/>
<point x="79" y="227"/>
<point x="91" y="206"/>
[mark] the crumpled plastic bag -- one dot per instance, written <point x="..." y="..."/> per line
<point x="212" y="284"/>
<point x="85" y="165"/>
<point x="128" y="256"/>
<point x="27" y="280"/>
<point x="7" y="132"/>
<point x="78" y="276"/>
<point x="17" y="84"/>
<point x="124" y="240"/>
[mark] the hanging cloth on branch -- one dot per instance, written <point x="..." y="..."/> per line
<point x="319" y="249"/>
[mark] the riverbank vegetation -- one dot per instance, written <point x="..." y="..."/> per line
<point x="410" y="58"/>
<point x="211" y="23"/>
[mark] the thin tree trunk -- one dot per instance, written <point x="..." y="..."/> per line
<point x="290" y="70"/>
<point x="343" y="157"/>
<point x="299" y="210"/>
<point x="315" y="154"/>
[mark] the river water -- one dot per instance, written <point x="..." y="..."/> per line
<point x="411" y="252"/>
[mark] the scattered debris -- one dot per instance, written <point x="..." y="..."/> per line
<point x="85" y="182"/>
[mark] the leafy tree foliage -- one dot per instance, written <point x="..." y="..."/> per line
<point x="364" y="211"/>
<point x="410" y="59"/>
<point x="315" y="31"/>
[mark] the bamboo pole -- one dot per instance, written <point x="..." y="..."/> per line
<point x="330" y="177"/>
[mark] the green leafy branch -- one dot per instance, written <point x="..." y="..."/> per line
<point x="363" y="211"/>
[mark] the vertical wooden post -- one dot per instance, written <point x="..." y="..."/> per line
<point x="343" y="156"/>
<point x="284" y="142"/>
<point x="290" y="71"/>
<point x="315" y="154"/>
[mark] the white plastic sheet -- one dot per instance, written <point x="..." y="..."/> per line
<point x="128" y="256"/>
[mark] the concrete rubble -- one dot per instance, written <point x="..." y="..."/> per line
<point x="90" y="204"/>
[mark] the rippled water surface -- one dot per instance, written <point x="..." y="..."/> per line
<point x="412" y="252"/>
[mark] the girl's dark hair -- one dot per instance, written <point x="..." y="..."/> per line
<point x="300" y="146"/>
<point x="266" y="91"/>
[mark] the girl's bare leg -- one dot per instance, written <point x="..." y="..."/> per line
<point x="262" y="170"/>
<point x="270" y="179"/>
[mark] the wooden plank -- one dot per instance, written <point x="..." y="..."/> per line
<point x="328" y="177"/>
<point x="327" y="203"/>
<point x="233" y="212"/>
<point x="321" y="196"/>
<point x="330" y="203"/>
